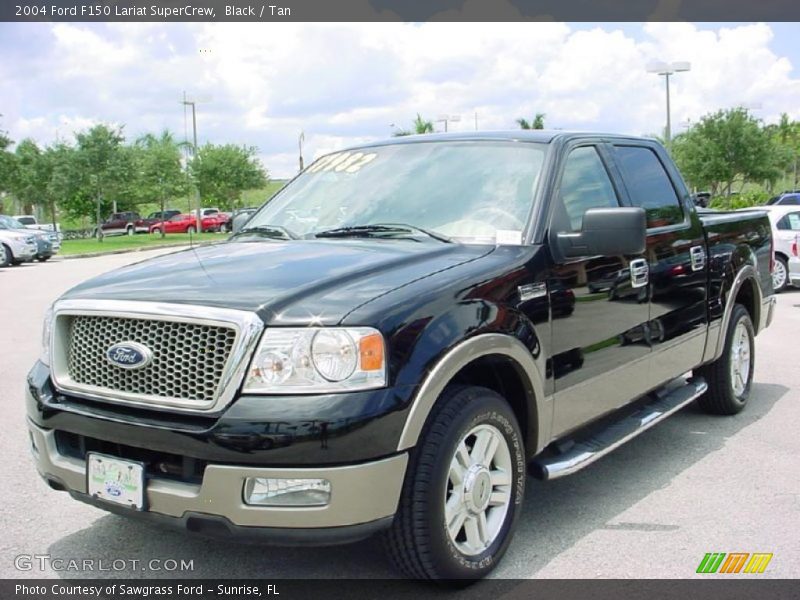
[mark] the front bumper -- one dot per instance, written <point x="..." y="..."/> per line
<point x="23" y="252"/>
<point x="364" y="497"/>
<point x="794" y="270"/>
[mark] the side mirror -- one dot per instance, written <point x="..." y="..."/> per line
<point x="239" y="221"/>
<point x="607" y="232"/>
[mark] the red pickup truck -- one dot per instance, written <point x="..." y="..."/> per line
<point x="124" y="223"/>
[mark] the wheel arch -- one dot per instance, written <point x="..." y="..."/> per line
<point x="746" y="291"/>
<point x="499" y="362"/>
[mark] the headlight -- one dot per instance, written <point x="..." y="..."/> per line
<point x="47" y="330"/>
<point x="316" y="360"/>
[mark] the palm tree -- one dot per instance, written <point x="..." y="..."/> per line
<point x="421" y="126"/>
<point x="537" y="123"/>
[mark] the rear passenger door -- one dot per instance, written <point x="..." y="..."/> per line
<point x="676" y="258"/>
<point x="599" y="309"/>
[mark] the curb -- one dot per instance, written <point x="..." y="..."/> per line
<point x="131" y="250"/>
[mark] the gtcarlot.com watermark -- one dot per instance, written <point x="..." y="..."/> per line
<point x="48" y="562"/>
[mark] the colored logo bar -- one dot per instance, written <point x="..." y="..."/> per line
<point x="734" y="562"/>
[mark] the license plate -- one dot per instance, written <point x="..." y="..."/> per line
<point x="115" y="480"/>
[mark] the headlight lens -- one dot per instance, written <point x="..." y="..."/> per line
<point x="317" y="359"/>
<point x="47" y="330"/>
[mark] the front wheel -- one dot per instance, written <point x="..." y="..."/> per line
<point x="130" y="231"/>
<point x="780" y="274"/>
<point x="730" y="377"/>
<point x="191" y="230"/>
<point x="463" y="489"/>
<point x="5" y="255"/>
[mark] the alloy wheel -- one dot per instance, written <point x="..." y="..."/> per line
<point x="478" y="491"/>
<point x="740" y="359"/>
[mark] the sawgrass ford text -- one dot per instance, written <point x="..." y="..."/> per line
<point x="146" y="591"/>
<point x="167" y="12"/>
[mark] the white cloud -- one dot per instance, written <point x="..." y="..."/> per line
<point x="344" y="84"/>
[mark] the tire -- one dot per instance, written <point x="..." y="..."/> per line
<point x="419" y="541"/>
<point x="729" y="388"/>
<point x="130" y="230"/>
<point x="191" y="229"/>
<point x="5" y="256"/>
<point x="156" y="231"/>
<point x="780" y="274"/>
<point x="43" y="258"/>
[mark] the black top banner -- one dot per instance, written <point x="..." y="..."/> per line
<point x="399" y="10"/>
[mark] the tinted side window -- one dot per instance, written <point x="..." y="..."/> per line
<point x="649" y="185"/>
<point x="585" y="184"/>
<point x="790" y="222"/>
<point x="789" y="200"/>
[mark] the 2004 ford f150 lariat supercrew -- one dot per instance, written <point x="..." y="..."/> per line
<point x="397" y="338"/>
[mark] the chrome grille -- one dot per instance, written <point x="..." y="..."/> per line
<point x="189" y="359"/>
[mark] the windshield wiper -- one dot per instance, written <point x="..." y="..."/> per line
<point x="274" y="231"/>
<point x="380" y="229"/>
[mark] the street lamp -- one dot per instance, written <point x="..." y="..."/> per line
<point x="301" y="138"/>
<point x="445" y="118"/>
<point x="193" y="104"/>
<point x="667" y="69"/>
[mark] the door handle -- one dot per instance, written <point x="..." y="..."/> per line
<point x="698" y="257"/>
<point x="640" y="272"/>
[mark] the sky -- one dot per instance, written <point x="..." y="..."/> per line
<point x="344" y="84"/>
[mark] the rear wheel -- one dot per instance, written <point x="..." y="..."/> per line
<point x="730" y="377"/>
<point x="780" y="274"/>
<point x="130" y="230"/>
<point x="156" y="230"/>
<point x="463" y="489"/>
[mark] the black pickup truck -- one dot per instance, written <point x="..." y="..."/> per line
<point x="397" y="339"/>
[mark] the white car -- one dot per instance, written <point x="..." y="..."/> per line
<point x="16" y="247"/>
<point x="785" y="221"/>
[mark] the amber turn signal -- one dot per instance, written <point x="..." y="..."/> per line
<point x="370" y="349"/>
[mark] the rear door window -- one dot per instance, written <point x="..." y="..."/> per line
<point x="649" y="185"/>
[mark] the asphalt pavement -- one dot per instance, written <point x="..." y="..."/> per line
<point x="652" y="509"/>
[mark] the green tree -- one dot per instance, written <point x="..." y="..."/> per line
<point x="420" y="126"/>
<point x="61" y="175"/>
<point x="7" y="165"/>
<point x="157" y="161"/>
<point x="222" y="173"/>
<point x="726" y="147"/>
<point x="537" y="123"/>
<point x="107" y="168"/>
<point x="786" y="135"/>
<point x="28" y="180"/>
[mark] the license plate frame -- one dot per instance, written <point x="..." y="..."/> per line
<point x="118" y="481"/>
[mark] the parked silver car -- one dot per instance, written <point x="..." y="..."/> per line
<point x="47" y="242"/>
<point x="16" y="247"/>
<point x="785" y="220"/>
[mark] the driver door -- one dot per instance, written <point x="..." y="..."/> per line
<point x="600" y="352"/>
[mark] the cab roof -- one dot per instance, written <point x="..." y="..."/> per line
<point x="542" y="136"/>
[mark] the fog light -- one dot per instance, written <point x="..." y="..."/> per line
<point x="34" y="449"/>
<point x="269" y="491"/>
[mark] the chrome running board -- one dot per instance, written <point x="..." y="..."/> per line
<point x="587" y="450"/>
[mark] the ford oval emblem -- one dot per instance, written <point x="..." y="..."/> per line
<point x="129" y="355"/>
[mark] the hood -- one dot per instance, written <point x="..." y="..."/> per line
<point x="288" y="283"/>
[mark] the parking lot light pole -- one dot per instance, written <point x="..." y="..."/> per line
<point x="445" y="118"/>
<point x="667" y="70"/>
<point x="192" y="103"/>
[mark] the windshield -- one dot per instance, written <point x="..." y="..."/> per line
<point x="10" y="223"/>
<point x="462" y="190"/>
